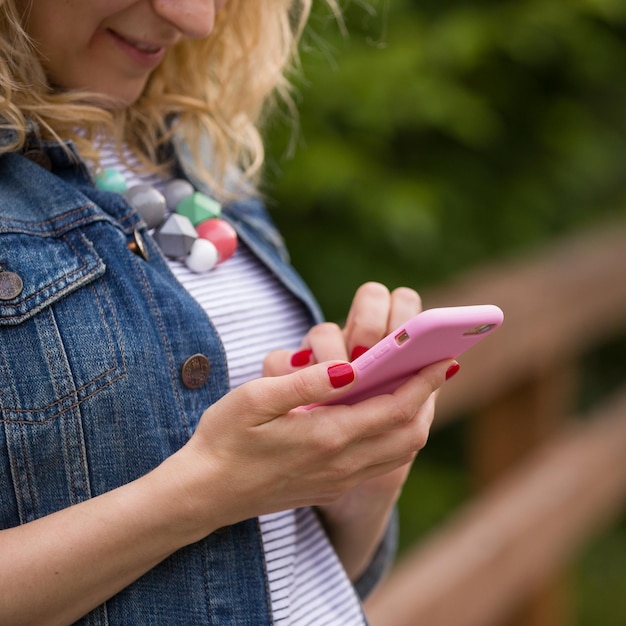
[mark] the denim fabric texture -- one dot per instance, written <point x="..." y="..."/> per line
<point x="91" y="395"/>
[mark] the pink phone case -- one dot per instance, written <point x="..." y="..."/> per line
<point x="431" y="336"/>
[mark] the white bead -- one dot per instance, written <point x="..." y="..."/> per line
<point x="203" y="256"/>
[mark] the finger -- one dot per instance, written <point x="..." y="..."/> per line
<point x="419" y="392"/>
<point x="411" y="437"/>
<point x="327" y="343"/>
<point x="395" y="447"/>
<point x="367" y="319"/>
<point x="270" y="397"/>
<point x="324" y="342"/>
<point x="399" y="446"/>
<point x="405" y="304"/>
<point x="279" y="362"/>
<point x="391" y="411"/>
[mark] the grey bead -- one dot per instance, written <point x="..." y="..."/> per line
<point x="149" y="202"/>
<point x="176" y="236"/>
<point x="176" y="191"/>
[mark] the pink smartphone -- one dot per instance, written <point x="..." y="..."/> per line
<point x="431" y="336"/>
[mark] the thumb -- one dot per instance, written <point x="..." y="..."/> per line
<point x="311" y="385"/>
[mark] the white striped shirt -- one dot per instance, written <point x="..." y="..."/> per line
<point x="254" y="314"/>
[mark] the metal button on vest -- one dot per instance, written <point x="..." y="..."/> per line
<point x="138" y="246"/>
<point x="195" y="371"/>
<point x="10" y="285"/>
<point x="39" y="157"/>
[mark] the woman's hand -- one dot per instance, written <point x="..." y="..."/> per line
<point x="356" y="521"/>
<point x="256" y="451"/>
<point x="374" y="313"/>
<point x="351" y="461"/>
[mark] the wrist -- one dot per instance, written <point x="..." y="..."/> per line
<point x="178" y="491"/>
<point x="356" y="527"/>
<point x="360" y="505"/>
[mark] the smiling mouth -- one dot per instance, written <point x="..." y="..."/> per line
<point x="141" y="46"/>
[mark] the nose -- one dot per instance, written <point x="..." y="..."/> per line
<point x="193" y="18"/>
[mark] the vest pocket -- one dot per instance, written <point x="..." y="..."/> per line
<point x="60" y="342"/>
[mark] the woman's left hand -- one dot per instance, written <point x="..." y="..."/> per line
<point x="357" y="521"/>
<point x="374" y="313"/>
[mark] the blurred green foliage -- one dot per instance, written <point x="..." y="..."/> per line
<point x="440" y="134"/>
<point x="599" y="598"/>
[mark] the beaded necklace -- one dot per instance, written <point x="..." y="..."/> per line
<point x="187" y="223"/>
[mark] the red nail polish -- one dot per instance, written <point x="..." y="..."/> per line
<point x="358" y="351"/>
<point x="302" y="358"/>
<point x="340" y="375"/>
<point x="452" y="370"/>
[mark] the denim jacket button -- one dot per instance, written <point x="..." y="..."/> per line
<point x="39" y="157"/>
<point x="138" y="246"/>
<point x="195" y="371"/>
<point x="10" y="285"/>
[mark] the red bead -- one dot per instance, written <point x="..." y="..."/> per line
<point x="221" y="234"/>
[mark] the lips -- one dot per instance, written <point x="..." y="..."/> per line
<point x="145" y="54"/>
<point x="142" y="46"/>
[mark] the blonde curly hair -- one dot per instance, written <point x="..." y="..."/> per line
<point x="220" y="87"/>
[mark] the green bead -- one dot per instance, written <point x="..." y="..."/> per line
<point x="111" y="180"/>
<point x="198" y="208"/>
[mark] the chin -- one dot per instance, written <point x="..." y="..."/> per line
<point x="112" y="94"/>
<point x="108" y="102"/>
<point x="116" y="92"/>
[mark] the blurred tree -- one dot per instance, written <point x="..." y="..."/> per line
<point x="439" y="134"/>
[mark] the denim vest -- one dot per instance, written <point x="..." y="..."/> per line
<point x="91" y="393"/>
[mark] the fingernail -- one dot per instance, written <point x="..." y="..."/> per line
<point x="358" y="351"/>
<point x="340" y="375"/>
<point x="302" y="358"/>
<point x="452" y="370"/>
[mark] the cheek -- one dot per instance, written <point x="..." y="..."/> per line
<point x="57" y="42"/>
<point x="219" y="4"/>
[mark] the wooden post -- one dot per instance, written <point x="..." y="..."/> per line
<point x="502" y="434"/>
<point x="549" y="606"/>
<point x="499" y="438"/>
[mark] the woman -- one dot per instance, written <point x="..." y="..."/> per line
<point x="154" y="467"/>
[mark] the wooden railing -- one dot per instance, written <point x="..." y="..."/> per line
<point x="546" y="482"/>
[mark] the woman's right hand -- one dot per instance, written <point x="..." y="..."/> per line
<point x="257" y="451"/>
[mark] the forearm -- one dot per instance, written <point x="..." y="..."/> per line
<point x="356" y="529"/>
<point x="56" y="569"/>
